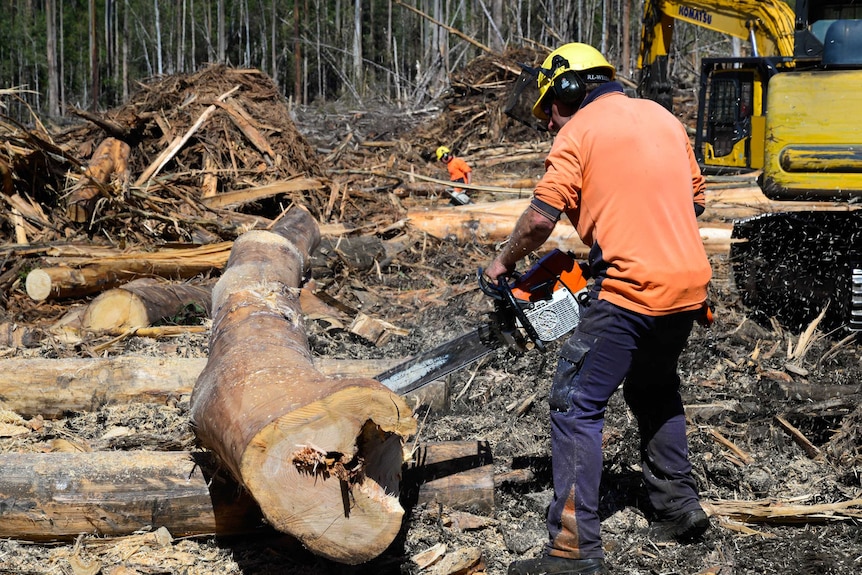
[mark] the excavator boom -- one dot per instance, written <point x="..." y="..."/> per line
<point x="767" y="24"/>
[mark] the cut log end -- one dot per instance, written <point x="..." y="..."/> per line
<point x="341" y="458"/>
<point x="114" y="310"/>
<point x="38" y="285"/>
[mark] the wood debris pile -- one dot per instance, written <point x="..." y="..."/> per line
<point x="475" y="101"/>
<point x="190" y="140"/>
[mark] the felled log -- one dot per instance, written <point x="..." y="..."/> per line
<point x="321" y="456"/>
<point x="492" y="222"/>
<point x="141" y="303"/>
<point x="53" y="387"/>
<point x="743" y="202"/>
<point x="457" y="474"/>
<point x="487" y="227"/>
<point x="57" y="496"/>
<point x="241" y="197"/>
<point x="77" y="277"/>
<point x="111" y="159"/>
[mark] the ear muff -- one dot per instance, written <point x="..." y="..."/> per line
<point x="569" y="88"/>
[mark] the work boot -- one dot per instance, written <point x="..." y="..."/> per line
<point x="685" y="528"/>
<point x="549" y="565"/>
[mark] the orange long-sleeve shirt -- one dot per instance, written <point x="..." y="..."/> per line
<point x="623" y="171"/>
<point x="458" y="170"/>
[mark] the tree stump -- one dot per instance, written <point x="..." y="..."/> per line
<point x="321" y="456"/>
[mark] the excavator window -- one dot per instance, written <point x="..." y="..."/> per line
<point x="729" y="110"/>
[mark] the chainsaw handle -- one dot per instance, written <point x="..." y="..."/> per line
<point x="502" y="293"/>
<point x="492" y="290"/>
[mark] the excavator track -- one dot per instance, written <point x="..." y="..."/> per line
<point x="792" y="265"/>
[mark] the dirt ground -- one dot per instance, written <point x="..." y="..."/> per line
<point x="740" y="381"/>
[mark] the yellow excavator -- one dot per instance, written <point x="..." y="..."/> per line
<point x="791" y="109"/>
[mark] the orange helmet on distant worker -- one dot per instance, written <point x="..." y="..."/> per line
<point x="565" y="72"/>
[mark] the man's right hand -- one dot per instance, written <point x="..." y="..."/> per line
<point x="496" y="269"/>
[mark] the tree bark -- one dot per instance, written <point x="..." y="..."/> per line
<point x="456" y="474"/>
<point x="321" y="456"/>
<point x="51" y="387"/>
<point x="51" y="49"/>
<point x="58" y="496"/>
<point x="488" y="227"/>
<point x="111" y="271"/>
<point x="492" y="222"/>
<point x="95" y="81"/>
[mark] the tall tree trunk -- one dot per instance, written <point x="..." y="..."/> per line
<point x="180" y="19"/>
<point x="605" y="27"/>
<point x="125" y="49"/>
<point x="95" y="84"/>
<point x="220" y="31"/>
<point x="51" y="48"/>
<point x="498" y="35"/>
<point x="273" y="49"/>
<point x="357" y="47"/>
<point x="247" y="23"/>
<point x="297" y="56"/>
<point x="192" y="59"/>
<point x="160" y="67"/>
<point x="627" y="38"/>
<point x="62" y="57"/>
<point x="110" y="41"/>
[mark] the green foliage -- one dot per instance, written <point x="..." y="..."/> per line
<point x="191" y="314"/>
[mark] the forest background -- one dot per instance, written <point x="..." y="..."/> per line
<point x="60" y="55"/>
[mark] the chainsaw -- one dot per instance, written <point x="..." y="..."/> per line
<point x="537" y="307"/>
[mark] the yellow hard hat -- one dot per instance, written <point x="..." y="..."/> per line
<point x="563" y="70"/>
<point x="442" y="151"/>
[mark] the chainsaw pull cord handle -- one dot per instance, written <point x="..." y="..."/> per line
<point x="502" y="292"/>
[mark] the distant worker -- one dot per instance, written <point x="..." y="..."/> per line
<point x="622" y="170"/>
<point x="459" y="173"/>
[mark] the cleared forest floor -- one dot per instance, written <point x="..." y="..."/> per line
<point x="774" y="416"/>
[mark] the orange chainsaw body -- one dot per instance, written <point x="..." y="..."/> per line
<point x="554" y="271"/>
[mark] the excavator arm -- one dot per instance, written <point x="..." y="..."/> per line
<point x="767" y="24"/>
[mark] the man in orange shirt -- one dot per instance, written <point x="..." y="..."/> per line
<point x="623" y="171"/>
<point x="459" y="172"/>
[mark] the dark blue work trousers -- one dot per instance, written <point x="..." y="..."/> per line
<point x="613" y="346"/>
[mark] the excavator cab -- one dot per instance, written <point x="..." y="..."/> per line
<point x="731" y="114"/>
